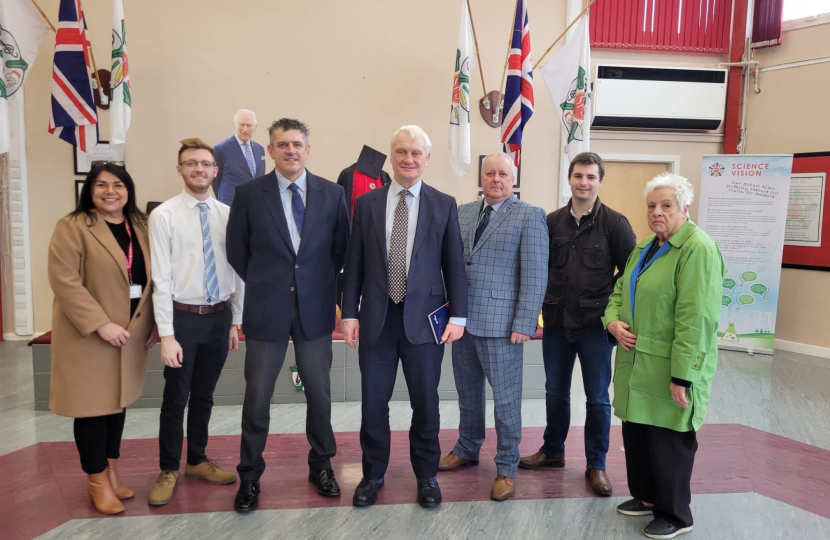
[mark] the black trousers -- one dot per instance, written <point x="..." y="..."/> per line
<point x="98" y="438"/>
<point x="659" y="464"/>
<point x="204" y="342"/>
<point x="263" y="362"/>
<point x="378" y="370"/>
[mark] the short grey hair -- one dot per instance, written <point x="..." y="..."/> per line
<point x="244" y="111"/>
<point x="684" y="191"/>
<point x="414" y="132"/>
<point x="501" y="155"/>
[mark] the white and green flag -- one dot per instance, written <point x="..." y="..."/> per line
<point x="567" y="77"/>
<point x="465" y="58"/>
<point x="21" y="32"/>
<point x="120" y="96"/>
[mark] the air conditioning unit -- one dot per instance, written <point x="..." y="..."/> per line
<point x="668" y="98"/>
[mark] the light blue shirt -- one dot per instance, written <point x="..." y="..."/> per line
<point x="286" y="195"/>
<point x="413" y="204"/>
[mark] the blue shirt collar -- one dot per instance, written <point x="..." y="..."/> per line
<point x="241" y="144"/>
<point x="299" y="182"/>
<point x="395" y="188"/>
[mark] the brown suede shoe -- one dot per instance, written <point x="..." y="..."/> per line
<point x="121" y="491"/>
<point x="539" y="459"/>
<point x="451" y="462"/>
<point x="503" y="488"/>
<point x="209" y="471"/>
<point x="162" y="492"/>
<point x="101" y="494"/>
<point x="599" y="482"/>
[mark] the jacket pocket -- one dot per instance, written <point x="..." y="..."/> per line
<point x="559" y="248"/>
<point x="652" y="366"/>
<point x="592" y="310"/>
<point x="596" y="256"/>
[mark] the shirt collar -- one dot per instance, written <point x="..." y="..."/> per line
<point x="299" y="182"/>
<point x="242" y="143"/>
<point x="496" y="206"/>
<point x="192" y="201"/>
<point x="395" y="188"/>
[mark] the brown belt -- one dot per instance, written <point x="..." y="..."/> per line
<point x="201" y="310"/>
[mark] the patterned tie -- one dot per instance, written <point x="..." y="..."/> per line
<point x="211" y="281"/>
<point x="482" y="224"/>
<point x="397" y="250"/>
<point x="249" y="157"/>
<point x="297" y="207"/>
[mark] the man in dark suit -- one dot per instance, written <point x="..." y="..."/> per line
<point x="405" y="261"/>
<point x="238" y="158"/>
<point x="287" y="238"/>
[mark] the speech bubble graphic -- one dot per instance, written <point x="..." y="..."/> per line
<point x="748" y="276"/>
<point x="746" y="299"/>
<point x="759" y="289"/>
<point x="726" y="301"/>
<point x="729" y="283"/>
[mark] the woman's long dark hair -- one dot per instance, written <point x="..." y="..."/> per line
<point x="86" y="206"/>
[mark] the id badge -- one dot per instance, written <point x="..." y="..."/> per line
<point x="135" y="291"/>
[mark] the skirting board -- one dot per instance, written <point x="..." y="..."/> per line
<point x="801" y="348"/>
<point x="9" y="336"/>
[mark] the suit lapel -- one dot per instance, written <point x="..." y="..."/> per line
<point x="379" y="218"/>
<point x="471" y="229"/>
<point x="274" y="203"/>
<point x="426" y="209"/>
<point x="103" y="234"/>
<point x="495" y="222"/>
<point x="145" y="249"/>
<point x="313" y="204"/>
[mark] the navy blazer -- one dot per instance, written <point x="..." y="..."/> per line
<point x="233" y="168"/>
<point x="436" y="268"/>
<point x="259" y="249"/>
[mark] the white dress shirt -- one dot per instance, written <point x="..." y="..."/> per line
<point x="178" y="261"/>
<point x="413" y="204"/>
<point x="287" y="195"/>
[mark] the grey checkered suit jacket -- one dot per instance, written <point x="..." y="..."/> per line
<point x="507" y="271"/>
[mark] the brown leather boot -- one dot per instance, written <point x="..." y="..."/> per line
<point x="503" y="488"/>
<point x="451" y="462"/>
<point x="121" y="491"/>
<point x="599" y="482"/>
<point x="539" y="459"/>
<point x="101" y="494"/>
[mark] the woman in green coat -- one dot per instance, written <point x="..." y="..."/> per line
<point x="664" y="313"/>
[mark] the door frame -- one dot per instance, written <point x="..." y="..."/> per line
<point x="671" y="159"/>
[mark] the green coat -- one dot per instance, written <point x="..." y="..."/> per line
<point x="677" y="307"/>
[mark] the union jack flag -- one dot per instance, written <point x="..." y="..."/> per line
<point x="74" y="118"/>
<point x="518" y="92"/>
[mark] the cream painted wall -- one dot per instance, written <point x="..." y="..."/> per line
<point x="791" y="114"/>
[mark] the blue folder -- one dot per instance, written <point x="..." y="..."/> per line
<point x="438" y="320"/>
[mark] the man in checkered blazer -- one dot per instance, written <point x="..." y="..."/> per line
<point x="506" y="253"/>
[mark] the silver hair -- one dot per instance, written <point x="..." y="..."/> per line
<point x="244" y="111"/>
<point x="505" y="156"/>
<point x="684" y="191"/>
<point x="414" y="132"/>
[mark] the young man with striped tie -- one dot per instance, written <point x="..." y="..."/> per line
<point x="198" y="305"/>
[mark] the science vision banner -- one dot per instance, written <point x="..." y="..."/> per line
<point x="743" y="207"/>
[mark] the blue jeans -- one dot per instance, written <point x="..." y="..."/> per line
<point x="559" y="352"/>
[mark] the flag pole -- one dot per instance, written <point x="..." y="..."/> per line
<point x="584" y="11"/>
<point x="42" y="14"/>
<point x="104" y="97"/>
<point x="478" y="54"/>
<point x="507" y="56"/>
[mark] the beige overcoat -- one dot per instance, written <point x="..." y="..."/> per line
<point x="88" y="274"/>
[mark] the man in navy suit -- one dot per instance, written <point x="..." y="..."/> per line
<point x="405" y="261"/>
<point x="287" y="238"/>
<point x="238" y="158"/>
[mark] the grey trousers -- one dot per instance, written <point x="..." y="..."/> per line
<point x="263" y="362"/>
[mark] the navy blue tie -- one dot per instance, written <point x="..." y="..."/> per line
<point x="297" y="207"/>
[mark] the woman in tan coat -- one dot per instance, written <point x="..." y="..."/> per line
<point x="102" y="323"/>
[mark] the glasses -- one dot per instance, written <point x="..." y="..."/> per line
<point x="192" y="164"/>
<point x="103" y="162"/>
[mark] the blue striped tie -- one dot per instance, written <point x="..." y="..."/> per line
<point x="211" y="281"/>
<point x="297" y="207"/>
<point x="249" y="157"/>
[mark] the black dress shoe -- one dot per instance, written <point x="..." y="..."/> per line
<point x="635" y="507"/>
<point x="366" y="493"/>
<point x="429" y="494"/>
<point x="325" y="482"/>
<point x="247" y="498"/>
<point x="662" y="529"/>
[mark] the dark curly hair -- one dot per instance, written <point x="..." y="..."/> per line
<point x="287" y="124"/>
